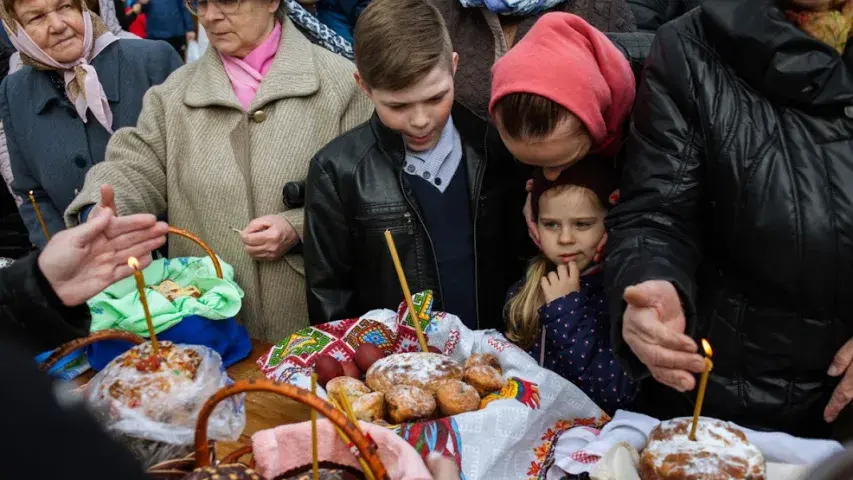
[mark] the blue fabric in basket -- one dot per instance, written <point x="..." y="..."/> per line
<point x="227" y="337"/>
<point x="69" y="367"/>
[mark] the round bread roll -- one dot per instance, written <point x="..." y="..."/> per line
<point x="720" y="452"/>
<point x="369" y="407"/>
<point x="483" y="359"/>
<point x="455" y="397"/>
<point x="407" y="403"/>
<point x="351" y="387"/>
<point x="485" y="379"/>
<point x="422" y="370"/>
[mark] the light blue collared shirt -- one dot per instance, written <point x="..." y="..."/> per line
<point x="439" y="164"/>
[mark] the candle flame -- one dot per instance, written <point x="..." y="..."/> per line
<point x="707" y="347"/>
<point x="133" y="263"/>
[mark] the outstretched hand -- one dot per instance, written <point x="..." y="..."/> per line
<point x="442" y="467"/>
<point x="843" y="393"/>
<point x="82" y="261"/>
<point x="653" y="326"/>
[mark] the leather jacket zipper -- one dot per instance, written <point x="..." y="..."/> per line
<point x="478" y="184"/>
<point x="426" y="230"/>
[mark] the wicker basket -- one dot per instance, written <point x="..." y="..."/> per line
<point x="204" y="455"/>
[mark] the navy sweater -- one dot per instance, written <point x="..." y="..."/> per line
<point x="577" y="344"/>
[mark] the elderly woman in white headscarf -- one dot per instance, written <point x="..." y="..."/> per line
<point x="78" y="84"/>
<point x="217" y="142"/>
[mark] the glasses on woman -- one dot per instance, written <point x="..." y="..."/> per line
<point x="199" y="7"/>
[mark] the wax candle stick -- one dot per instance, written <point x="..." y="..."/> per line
<point x="38" y="215"/>
<point x="406" y="293"/>
<point x="315" y="460"/>
<point x="140" y="286"/>
<point x="344" y="406"/>
<point x="703" y="384"/>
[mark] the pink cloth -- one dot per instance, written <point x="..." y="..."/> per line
<point x="246" y="74"/>
<point x="92" y="96"/>
<point x="287" y="447"/>
<point x="586" y="74"/>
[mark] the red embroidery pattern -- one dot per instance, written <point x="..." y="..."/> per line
<point x="452" y="341"/>
<point x="499" y="345"/>
<point x="544" y="453"/>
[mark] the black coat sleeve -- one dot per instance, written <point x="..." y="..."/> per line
<point x="329" y="260"/>
<point x="30" y="311"/>
<point x="654" y="230"/>
<point x="55" y="436"/>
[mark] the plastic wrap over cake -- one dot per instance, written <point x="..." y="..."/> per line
<point x="142" y="398"/>
<point x="511" y="435"/>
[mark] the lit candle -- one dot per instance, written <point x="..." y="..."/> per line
<point x="140" y="285"/>
<point x="314" y="454"/>
<point x="703" y="383"/>
<point x="38" y="215"/>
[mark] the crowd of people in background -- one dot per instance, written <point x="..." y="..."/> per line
<point x="605" y="181"/>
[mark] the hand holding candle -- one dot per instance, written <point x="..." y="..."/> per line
<point x="703" y="383"/>
<point x="133" y="263"/>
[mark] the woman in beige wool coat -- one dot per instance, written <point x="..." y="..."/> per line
<point x="214" y="146"/>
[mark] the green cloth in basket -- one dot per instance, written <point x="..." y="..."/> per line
<point x="119" y="307"/>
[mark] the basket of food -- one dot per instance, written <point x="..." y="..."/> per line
<point x="336" y="446"/>
<point x="150" y="396"/>
<point x="472" y="395"/>
<point x="191" y="300"/>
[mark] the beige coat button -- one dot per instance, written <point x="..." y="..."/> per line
<point x="259" y="116"/>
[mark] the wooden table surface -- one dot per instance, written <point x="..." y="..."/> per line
<point x="263" y="410"/>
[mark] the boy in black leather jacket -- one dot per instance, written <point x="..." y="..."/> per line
<point x="423" y="167"/>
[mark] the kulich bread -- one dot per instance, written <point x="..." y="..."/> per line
<point x="408" y="404"/>
<point x="369" y="407"/>
<point x="484" y="379"/>
<point x="233" y="471"/>
<point x="325" y="472"/>
<point x="351" y="387"/>
<point x="483" y="359"/>
<point x="455" y="397"/>
<point x="720" y="452"/>
<point x="419" y="369"/>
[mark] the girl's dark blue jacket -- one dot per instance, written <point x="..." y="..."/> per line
<point x="577" y="344"/>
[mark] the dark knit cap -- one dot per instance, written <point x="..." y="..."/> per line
<point x="598" y="174"/>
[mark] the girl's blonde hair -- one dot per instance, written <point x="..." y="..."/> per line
<point x="522" y="310"/>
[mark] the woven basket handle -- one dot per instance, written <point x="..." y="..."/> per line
<point x="183" y="233"/>
<point x="79" y="343"/>
<point x="366" y="448"/>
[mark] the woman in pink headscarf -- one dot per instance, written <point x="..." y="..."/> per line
<point x="79" y="83"/>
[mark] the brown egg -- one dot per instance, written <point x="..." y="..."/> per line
<point x="434" y="349"/>
<point x="366" y="354"/>
<point x="351" y="369"/>
<point x="327" y="368"/>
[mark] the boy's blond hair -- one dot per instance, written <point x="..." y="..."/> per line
<point x="398" y="42"/>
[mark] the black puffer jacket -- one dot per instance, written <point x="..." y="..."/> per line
<point x="738" y="189"/>
<point x="651" y="14"/>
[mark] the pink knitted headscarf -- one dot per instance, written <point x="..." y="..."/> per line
<point x="568" y="61"/>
